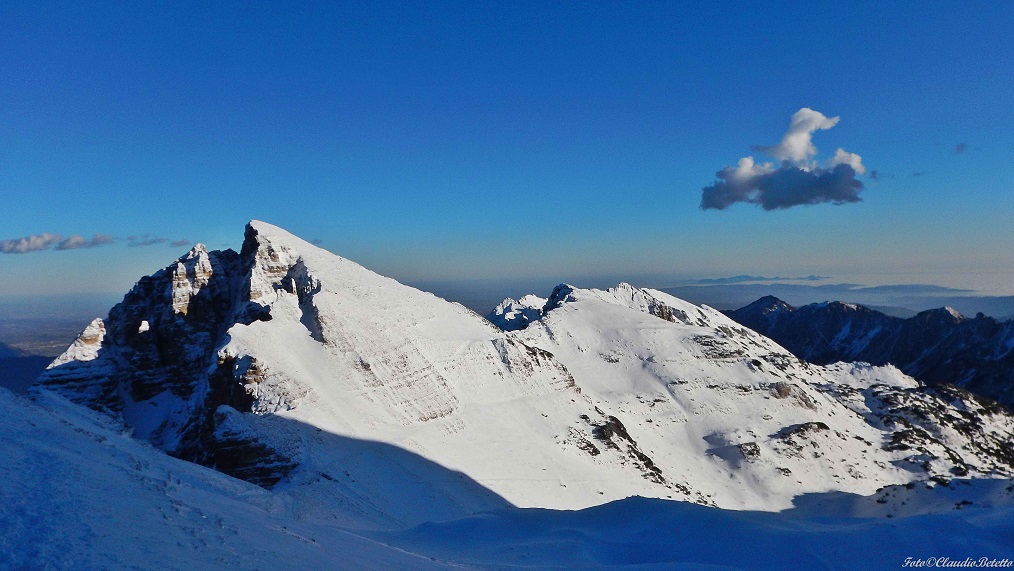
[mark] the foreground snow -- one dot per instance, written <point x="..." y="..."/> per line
<point x="78" y="493"/>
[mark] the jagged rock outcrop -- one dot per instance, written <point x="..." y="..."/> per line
<point x="154" y="363"/>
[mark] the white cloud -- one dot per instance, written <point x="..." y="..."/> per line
<point x="747" y="169"/>
<point x="76" y="242"/>
<point x="48" y="240"/>
<point x="29" y="243"/>
<point x="798" y="179"/>
<point x="797" y="144"/>
<point x="146" y="240"/>
<point x="843" y="157"/>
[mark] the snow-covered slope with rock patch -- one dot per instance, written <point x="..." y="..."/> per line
<point x="76" y="492"/>
<point x="734" y="417"/>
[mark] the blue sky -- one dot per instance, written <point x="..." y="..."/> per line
<point x="479" y="140"/>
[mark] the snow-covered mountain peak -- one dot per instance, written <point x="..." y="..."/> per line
<point x="768" y="304"/>
<point x="192" y="272"/>
<point x="953" y="313"/>
<point x="649" y="301"/>
<point x="511" y="314"/>
<point x="939" y="317"/>
<point x="270" y="253"/>
<point x="241" y="361"/>
<point x="560" y="295"/>
<point x="199" y="249"/>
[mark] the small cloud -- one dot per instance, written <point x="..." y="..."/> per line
<point x="874" y="175"/>
<point x="960" y="148"/>
<point x="146" y="240"/>
<point x="920" y="173"/>
<point x="77" y="242"/>
<point x="799" y="180"/>
<point x="179" y="243"/>
<point x="843" y="157"/>
<point x="31" y="243"/>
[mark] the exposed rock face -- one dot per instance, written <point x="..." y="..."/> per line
<point x="154" y="363"/>
<point x="936" y="346"/>
<point x="86" y="346"/>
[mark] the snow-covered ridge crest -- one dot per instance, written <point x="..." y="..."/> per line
<point x="511" y="315"/>
<point x="649" y="301"/>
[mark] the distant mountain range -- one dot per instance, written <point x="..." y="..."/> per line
<point x="902" y="300"/>
<point x="935" y="346"/>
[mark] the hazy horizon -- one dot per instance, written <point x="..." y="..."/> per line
<point x="727" y="292"/>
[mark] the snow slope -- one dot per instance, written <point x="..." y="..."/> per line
<point x="76" y="492"/>
<point x="650" y="534"/>
<point x="735" y="418"/>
